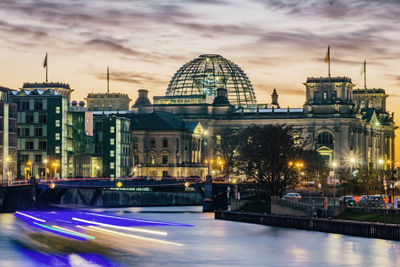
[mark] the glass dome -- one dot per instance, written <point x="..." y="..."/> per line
<point x="205" y="74"/>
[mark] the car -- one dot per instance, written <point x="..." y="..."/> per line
<point x="376" y="201"/>
<point x="347" y="201"/>
<point x="292" y="196"/>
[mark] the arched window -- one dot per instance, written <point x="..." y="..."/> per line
<point x="325" y="139"/>
<point x="325" y="95"/>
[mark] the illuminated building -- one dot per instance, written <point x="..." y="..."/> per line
<point x="340" y="120"/>
<point x="8" y="136"/>
<point x="107" y="101"/>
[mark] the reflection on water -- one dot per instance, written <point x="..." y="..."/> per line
<point x="210" y="243"/>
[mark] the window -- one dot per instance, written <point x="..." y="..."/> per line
<point x="98" y="125"/>
<point x="42" y="118"/>
<point x="325" y="138"/>
<point x="112" y="165"/>
<point x="38" y="132"/>
<point x="58" y="110"/>
<point x="25" y="105"/>
<point x="42" y="145"/>
<point x="165" y="159"/>
<point x="325" y="94"/>
<point x="38" y="105"/>
<point x="316" y="95"/>
<point x="152" y="159"/>
<point x="57" y="123"/>
<point x="29" y="118"/>
<point x="165" y="174"/>
<point x="177" y="144"/>
<point x="38" y="158"/>
<point x="29" y="145"/>
<point x="57" y="149"/>
<point x="112" y="141"/>
<point x="24" y="158"/>
<point x="58" y="136"/>
<point x="165" y="142"/>
<point x="136" y="159"/>
<point x="152" y="143"/>
<point x="112" y="153"/>
<point x="135" y="143"/>
<point x="334" y="94"/>
<point x="24" y="132"/>
<point x="112" y="129"/>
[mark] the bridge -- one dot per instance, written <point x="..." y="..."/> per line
<point x="113" y="192"/>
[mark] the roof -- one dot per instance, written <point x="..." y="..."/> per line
<point x="328" y="79"/>
<point x="36" y="92"/>
<point x="46" y="85"/>
<point x="107" y="95"/>
<point x="5" y="89"/>
<point x="369" y="91"/>
<point x="191" y="125"/>
<point x="157" y="121"/>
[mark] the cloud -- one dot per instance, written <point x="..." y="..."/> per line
<point x="17" y="30"/>
<point x="131" y="78"/>
<point x="111" y="46"/>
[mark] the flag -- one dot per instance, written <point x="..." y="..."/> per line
<point x="328" y="54"/>
<point x="45" y="62"/>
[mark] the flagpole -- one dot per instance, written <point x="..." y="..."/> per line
<point x="329" y="61"/>
<point x="47" y="66"/>
<point x="365" y="74"/>
<point x="108" y="79"/>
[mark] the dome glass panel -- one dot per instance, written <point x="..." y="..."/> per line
<point x="205" y="74"/>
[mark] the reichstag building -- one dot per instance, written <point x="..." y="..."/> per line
<point x="348" y="125"/>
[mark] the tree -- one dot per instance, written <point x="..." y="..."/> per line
<point x="225" y="141"/>
<point x="271" y="155"/>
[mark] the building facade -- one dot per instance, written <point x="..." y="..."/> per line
<point x="112" y="145"/>
<point x="344" y="123"/>
<point x="8" y="137"/>
<point x="107" y="101"/>
<point x="163" y="145"/>
<point x="42" y="133"/>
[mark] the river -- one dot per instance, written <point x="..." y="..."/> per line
<point x="210" y="243"/>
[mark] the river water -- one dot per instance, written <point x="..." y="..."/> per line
<point x="209" y="243"/>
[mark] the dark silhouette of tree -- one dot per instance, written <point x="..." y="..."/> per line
<point x="273" y="155"/>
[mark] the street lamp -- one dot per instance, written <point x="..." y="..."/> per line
<point x="29" y="164"/>
<point x="55" y="165"/>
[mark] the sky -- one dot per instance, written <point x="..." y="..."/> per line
<point x="278" y="43"/>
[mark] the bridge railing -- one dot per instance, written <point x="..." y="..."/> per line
<point x="15" y="183"/>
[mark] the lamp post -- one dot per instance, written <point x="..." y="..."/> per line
<point x="45" y="161"/>
<point x="55" y="165"/>
<point x="29" y="164"/>
<point x="334" y="164"/>
<point x="381" y="162"/>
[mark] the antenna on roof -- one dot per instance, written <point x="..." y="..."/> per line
<point x="108" y="79"/>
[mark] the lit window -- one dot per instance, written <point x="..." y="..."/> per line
<point x="58" y="136"/>
<point x="112" y="141"/>
<point x="112" y="165"/>
<point x="58" y="109"/>
<point x="112" y="129"/>
<point x="112" y="153"/>
<point x="57" y="123"/>
<point x="58" y="149"/>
